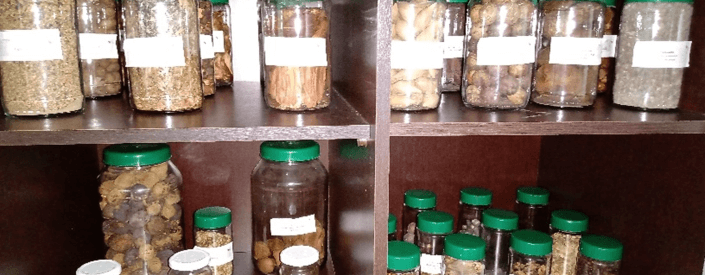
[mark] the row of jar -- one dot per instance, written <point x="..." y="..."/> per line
<point x="560" y="53"/>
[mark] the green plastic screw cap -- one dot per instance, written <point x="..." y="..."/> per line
<point x="285" y="151"/>
<point x="610" y="3"/>
<point x="601" y="248"/>
<point x="213" y="217"/>
<point x="219" y="2"/>
<point x="402" y="256"/>
<point x="532" y="195"/>
<point x="457" y="1"/>
<point x="420" y="199"/>
<point x="569" y="221"/>
<point x="531" y="242"/>
<point x="476" y="196"/>
<point x="136" y="154"/>
<point x="500" y="219"/>
<point x="465" y="247"/>
<point x="435" y="222"/>
<point x="391" y="224"/>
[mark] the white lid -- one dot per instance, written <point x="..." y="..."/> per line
<point x="189" y="260"/>
<point x="100" y="267"/>
<point x="299" y="256"/>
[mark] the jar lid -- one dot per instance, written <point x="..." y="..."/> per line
<point x="610" y="3"/>
<point x="665" y="1"/>
<point x="435" y="222"/>
<point x="136" y="154"/>
<point x="531" y="242"/>
<point x="288" y="3"/>
<point x="402" y="255"/>
<point x="457" y="1"/>
<point x="213" y="217"/>
<point x="500" y="219"/>
<point x="569" y="220"/>
<point x="476" y="196"/>
<point x="299" y="256"/>
<point x="391" y="224"/>
<point x="465" y="247"/>
<point x="420" y="199"/>
<point x="601" y="248"/>
<point x="596" y="1"/>
<point x="285" y="151"/>
<point x="532" y="195"/>
<point x="100" y="267"/>
<point x="189" y="260"/>
<point x="219" y="1"/>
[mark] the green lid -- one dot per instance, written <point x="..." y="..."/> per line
<point x="531" y="242"/>
<point x="136" y="154"/>
<point x="596" y="1"/>
<point x="665" y="1"/>
<point x="457" y="1"/>
<point x="402" y="256"/>
<point x="289" y="3"/>
<point x="435" y="222"/>
<point x="476" y="196"/>
<point x="465" y="247"/>
<point x="610" y="3"/>
<point x="601" y="248"/>
<point x="213" y="217"/>
<point x="219" y="1"/>
<point x="284" y="151"/>
<point x="420" y="199"/>
<point x="569" y="220"/>
<point x="391" y="224"/>
<point x="532" y="195"/>
<point x="350" y="150"/>
<point x="500" y="219"/>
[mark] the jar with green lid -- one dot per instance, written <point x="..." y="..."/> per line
<point x="599" y="255"/>
<point x="497" y="228"/>
<point x="609" y="48"/>
<point x="530" y="252"/>
<point x="100" y="267"/>
<point x="453" y="45"/>
<point x="290" y="198"/>
<point x="98" y="35"/>
<point x="141" y="204"/>
<point x="403" y="258"/>
<point x="299" y="260"/>
<point x="567" y="227"/>
<point x="190" y="262"/>
<point x="392" y="228"/>
<point x="222" y="43"/>
<point x="415" y="201"/>
<point x="213" y="234"/>
<point x="473" y="200"/>
<point x="464" y="255"/>
<point x="205" y="27"/>
<point x="532" y="207"/>
<point x="433" y="227"/>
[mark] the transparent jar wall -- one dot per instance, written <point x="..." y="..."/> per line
<point x="565" y="252"/>
<point x="536" y="217"/>
<point x="205" y="25"/>
<point x="497" y="252"/>
<point x="223" y="57"/>
<point x="202" y="271"/>
<point x="392" y="236"/>
<point x="454" y="30"/>
<point x="470" y="219"/>
<point x="143" y="214"/>
<point x="528" y="265"/>
<point x="588" y="266"/>
<point x="453" y="266"/>
<point x="101" y="75"/>
<point x="50" y="86"/>
<point x="287" y="190"/>
<point x="415" y="271"/>
<point x="304" y="270"/>
<point x="216" y="238"/>
<point x="650" y="88"/>
<point x="303" y="80"/>
<point x="408" y="222"/>
<point x="606" y="76"/>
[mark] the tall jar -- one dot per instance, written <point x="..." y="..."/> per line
<point x="569" y="55"/>
<point x="213" y="234"/>
<point x="392" y="228"/>
<point x="205" y="26"/>
<point x="500" y="53"/>
<point x="416" y="201"/>
<point x="567" y="227"/>
<point x="497" y="228"/>
<point x="402" y="258"/>
<point x="299" y="260"/>
<point x="609" y="48"/>
<point x="100" y="267"/>
<point x="473" y="200"/>
<point x="190" y="262"/>
<point x="141" y="191"/>
<point x="532" y="207"/>
<point x="222" y="43"/>
<point x="296" y="49"/>
<point x="433" y="227"/>
<point x="599" y="255"/>
<point x="530" y="253"/>
<point x="290" y="199"/>
<point x="162" y="55"/>
<point x="464" y="255"/>
<point x="98" y="35"/>
<point x="417" y="54"/>
<point x="453" y="45"/>
<point x="40" y="73"/>
<point x="654" y="50"/>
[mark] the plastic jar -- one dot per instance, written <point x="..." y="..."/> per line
<point x="100" y="267"/>
<point x="599" y="255"/>
<point x="497" y="228"/>
<point x="654" y="50"/>
<point x="473" y="200"/>
<point x="98" y="34"/>
<point x="500" y="53"/>
<point x="532" y="207"/>
<point x="296" y="45"/>
<point x="609" y="48"/>
<point x="392" y="228"/>
<point x="402" y="258"/>
<point x="464" y="255"/>
<point x="530" y="253"/>
<point x="162" y="55"/>
<point x="433" y="227"/>
<point x="205" y="26"/>
<point x="453" y="45"/>
<point x="213" y="234"/>
<point x="290" y="199"/>
<point x="41" y="74"/>
<point x="417" y="54"/>
<point x="415" y="201"/>
<point x="222" y="44"/>
<point x="190" y="262"/>
<point x="141" y="191"/>
<point x="567" y="227"/>
<point x="299" y="260"/>
<point x="570" y="53"/>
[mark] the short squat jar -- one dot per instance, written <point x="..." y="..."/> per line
<point x="464" y="255"/>
<point x="299" y="260"/>
<point x="100" y="267"/>
<point x="190" y="262"/>
<point x="222" y="43"/>
<point x="532" y="207"/>
<point x="473" y="200"/>
<point x="497" y="228"/>
<point x="530" y="253"/>
<point x="98" y="35"/>
<point x="213" y="234"/>
<point x="453" y="45"/>
<point x="392" y="228"/>
<point x="403" y="258"/>
<point x="416" y="201"/>
<point x="433" y="227"/>
<point x="599" y="255"/>
<point x="567" y="227"/>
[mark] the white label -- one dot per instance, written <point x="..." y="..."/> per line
<point x="453" y="46"/>
<point x="30" y="45"/>
<point x="661" y="54"/>
<point x="609" y="45"/>
<point x="506" y="50"/>
<point x="98" y="46"/>
<point x="218" y="41"/>
<point x="575" y="51"/>
<point x="207" y="47"/>
<point x="295" y="52"/>
<point x="417" y="55"/>
<point x="292" y="227"/>
<point x="219" y="255"/>
<point x="432" y="264"/>
<point x="154" y="52"/>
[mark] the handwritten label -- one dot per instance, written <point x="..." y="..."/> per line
<point x="609" y="46"/>
<point x="661" y="54"/>
<point x="292" y="227"/>
<point x="453" y="47"/>
<point x="218" y="41"/>
<point x="506" y="50"/>
<point x="295" y="52"/>
<point x="431" y="264"/>
<point x="417" y="55"/>
<point x="154" y="52"/>
<point x="30" y="45"/>
<point x="575" y="51"/>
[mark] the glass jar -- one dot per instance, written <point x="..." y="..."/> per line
<point x="567" y="227"/>
<point x="190" y="262"/>
<point x="141" y="191"/>
<point x="599" y="255"/>
<point x="497" y="228"/>
<point x="609" y="48"/>
<point x="392" y="228"/>
<point x="213" y="234"/>
<point x="473" y="200"/>
<point x="121" y="49"/>
<point x="530" y="252"/>
<point x="403" y="258"/>
<point x="417" y="54"/>
<point x="569" y="56"/>
<point x="205" y="26"/>
<point x="290" y="197"/>
<point x="433" y="227"/>
<point x="162" y="55"/>
<point x="500" y="53"/>
<point x="453" y="44"/>
<point x="295" y="38"/>
<point x="299" y="260"/>
<point x="100" y="62"/>
<point x="40" y="73"/>
<point x="464" y="255"/>
<point x="654" y="50"/>
<point x="415" y="201"/>
<point x="222" y="44"/>
<point x="100" y="267"/>
<point x="532" y="207"/>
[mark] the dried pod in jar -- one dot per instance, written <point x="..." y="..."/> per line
<point x="98" y="34"/>
<point x="567" y="228"/>
<point x="530" y="253"/>
<point x="222" y="43"/>
<point x="609" y="48"/>
<point x="599" y="255"/>
<point x="205" y="24"/>
<point x="464" y="255"/>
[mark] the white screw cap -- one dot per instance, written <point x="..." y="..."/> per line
<point x="299" y="256"/>
<point x="100" y="267"/>
<point x="189" y="260"/>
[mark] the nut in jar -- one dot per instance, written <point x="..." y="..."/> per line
<point x="100" y="63"/>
